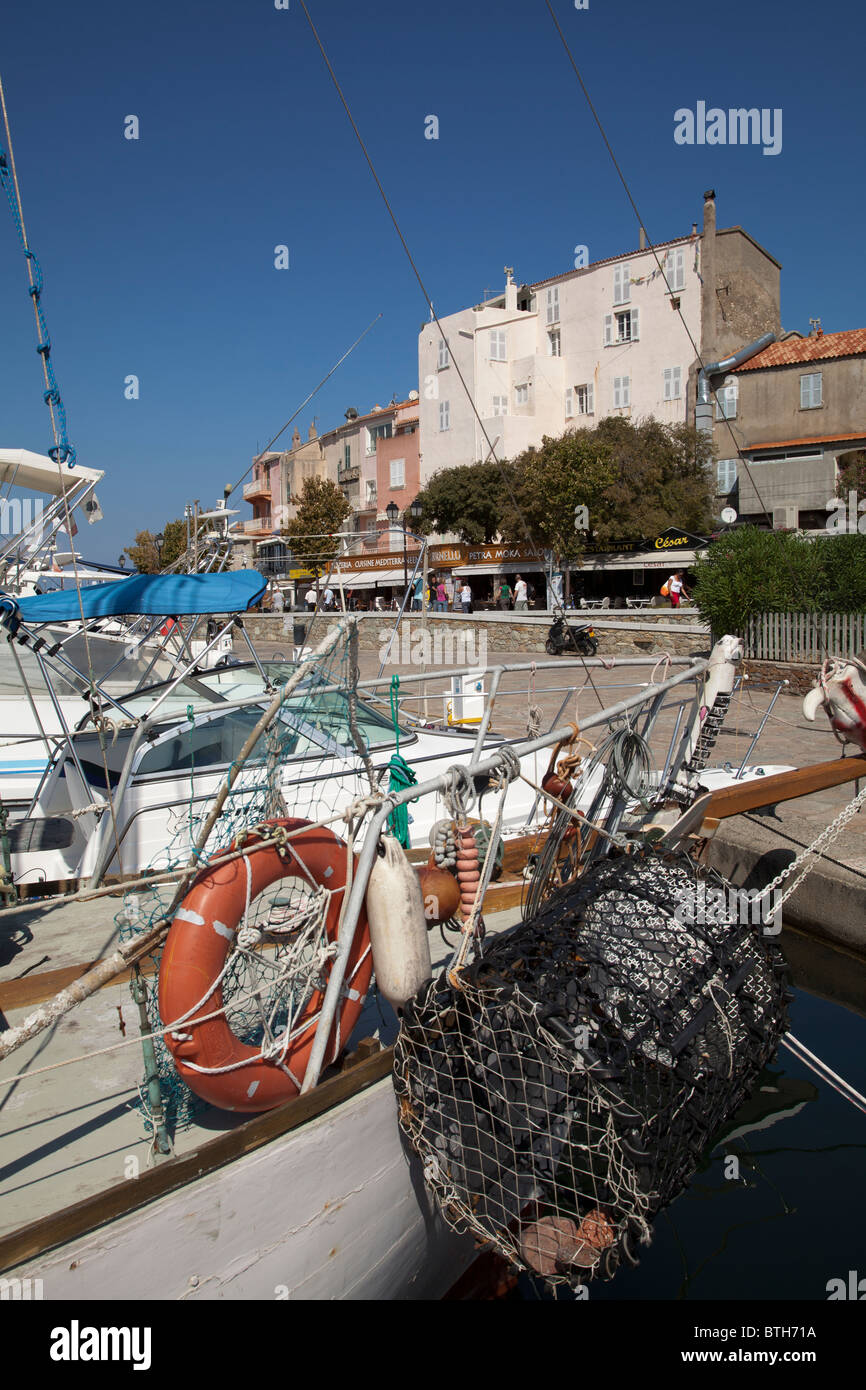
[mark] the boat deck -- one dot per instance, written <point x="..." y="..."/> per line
<point x="75" y="1130"/>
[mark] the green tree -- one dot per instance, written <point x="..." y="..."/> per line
<point x="322" y="509"/>
<point x="466" y="501"/>
<point x="852" y="476"/>
<point x="750" y="571"/>
<point x="548" y="485"/>
<point x="144" y="554"/>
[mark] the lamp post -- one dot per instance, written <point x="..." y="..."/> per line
<point x="392" y="511"/>
<point x="415" y="509"/>
<point x="158" y="541"/>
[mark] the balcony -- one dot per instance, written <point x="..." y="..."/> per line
<point x="348" y="473"/>
<point x="259" y="487"/>
<point x="258" y="526"/>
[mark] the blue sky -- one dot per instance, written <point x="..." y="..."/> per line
<point x="158" y="254"/>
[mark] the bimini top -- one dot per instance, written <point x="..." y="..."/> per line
<point x="149" y="594"/>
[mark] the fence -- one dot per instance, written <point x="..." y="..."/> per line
<point x="804" y="636"/>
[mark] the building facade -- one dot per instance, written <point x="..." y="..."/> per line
<point x="616" y="337"/>
<point x="795" y="412"/>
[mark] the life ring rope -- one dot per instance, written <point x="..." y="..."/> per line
<point x="212" y="932"/>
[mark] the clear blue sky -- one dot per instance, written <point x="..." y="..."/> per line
<point x="158" y="254"/>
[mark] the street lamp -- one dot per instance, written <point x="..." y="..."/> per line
<point x="158" y="541"/>
<point x="392" y="511"/>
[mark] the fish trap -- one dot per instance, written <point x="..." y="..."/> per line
<point x="565" y="1092"/>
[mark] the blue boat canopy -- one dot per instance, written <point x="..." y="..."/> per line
<point x="152" y="595"/>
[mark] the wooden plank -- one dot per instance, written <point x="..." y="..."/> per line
<point x="32" y="989"/>
<point x="77" y="1220"/>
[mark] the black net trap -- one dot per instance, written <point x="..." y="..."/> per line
<point x="566" y="1091"/>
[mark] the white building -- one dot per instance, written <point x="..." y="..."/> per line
<point x="602" y="340"/>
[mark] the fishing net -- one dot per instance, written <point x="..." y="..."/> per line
<point x="315" y="760"/>
<point x="564" y="1093"/>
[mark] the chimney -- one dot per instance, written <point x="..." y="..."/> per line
<point x="642" y="239"/>
<point x="709" y="303"/>
<point x="510" y="290"/>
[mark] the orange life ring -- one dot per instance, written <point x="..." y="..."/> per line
<point x="210" y="1058"/>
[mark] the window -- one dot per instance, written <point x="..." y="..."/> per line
<point x="584" y="399"/>
<point x="569" y="402"/>
<point x="726" y="401"/>
<point x="444" y="415"/>
<point x="673" y="383"/>
<point x="497" y="345"/>
<point x="500" y="405"/>
<point x="398" y="469"/>
<point x="371" y="492"/>
<point x="811" y="391"/>
<point x="554" y="343"/>
<point x="621" y="285"/>
<point x="553" y="304"/>
<point x="726" y="475"/>
<point x="626" y="324"/>
<point x="444" y="359"/>
<point x="347" y="454"/>
<point x="375" y="432"/>
<point x="621" y="392"/>
<point x="675" y="268"/>
<point x="521" y="394"/>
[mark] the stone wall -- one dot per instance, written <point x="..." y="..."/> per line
<point x="460" y="637"/>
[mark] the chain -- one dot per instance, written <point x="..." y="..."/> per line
<point x="827" y="836"/>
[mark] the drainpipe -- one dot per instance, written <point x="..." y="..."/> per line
<point x="704" y="403"/>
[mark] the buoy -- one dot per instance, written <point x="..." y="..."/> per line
<point x="209" y="1057"/>
<point x="440" y="892"/>
<point x="398" y="928"/>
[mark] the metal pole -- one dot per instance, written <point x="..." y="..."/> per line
<point x="760" y="729"/>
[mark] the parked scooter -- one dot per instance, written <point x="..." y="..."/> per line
<point x="562" y="638"/>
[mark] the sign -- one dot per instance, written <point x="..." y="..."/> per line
<point x="302" y="574"/>
<point x="674" y="539"/>
<point x="501" y="554"/>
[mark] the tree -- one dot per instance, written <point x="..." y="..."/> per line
<point x="466" y="501"/>
<point x="852" y="475"/>
<point x="749" y="571"/>
<point x="322" y="509"/>
<point x="633" y="480"/>
<point x="144" y="555"/>
<point x="549" y="485"/>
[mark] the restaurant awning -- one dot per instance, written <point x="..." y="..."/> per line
<point x="649" y="559"/>
<point x="368" y="579"/>
<point x="513" y="567"/>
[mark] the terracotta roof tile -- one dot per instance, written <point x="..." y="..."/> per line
<point x="814" y="439"/>
<point x="794" y="350"/>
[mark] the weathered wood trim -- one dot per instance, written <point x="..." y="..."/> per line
<point x="32" y="1240"/>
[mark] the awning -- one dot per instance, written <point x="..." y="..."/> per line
<point x="513" y="567"/>
<point x="152" y="594"/>
<point x="649" y="560"/>
<point x="368" y="579"/>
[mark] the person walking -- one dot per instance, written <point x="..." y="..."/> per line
<point x="279" y="603"/>
<point x="329" y="598"/>
<point x="521" y="595"/>
<point x="466" y="597"/>
<point x="504" y="595"/>
<point x="678" y="589"/>
<point x="441" y="604"/>
<point x="416" y="594"/>
<point x="310" y="599"/>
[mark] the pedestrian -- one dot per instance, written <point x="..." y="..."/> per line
<point x="466" y="597"/>
<point x="441" y="604"/>
<point x="329" y="597"/>
<point x="678" y="589"/>
<point x="520" y="594"/>
<point x="504" y="595"/>
<point x="279" y="602"/>
<point x="416" y="594"/>
<point x="310" y="599"/>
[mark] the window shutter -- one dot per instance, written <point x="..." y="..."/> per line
<point x="626" y="390"/>
<point x="589" y="391"/>
<point x="668" y="373"/>
<point x="608" y="329"/>
<point x="679" y="269"/>
<point x="569" y="403"/>
<point x="635" y="322"/>
<point x="677" y="383"/>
